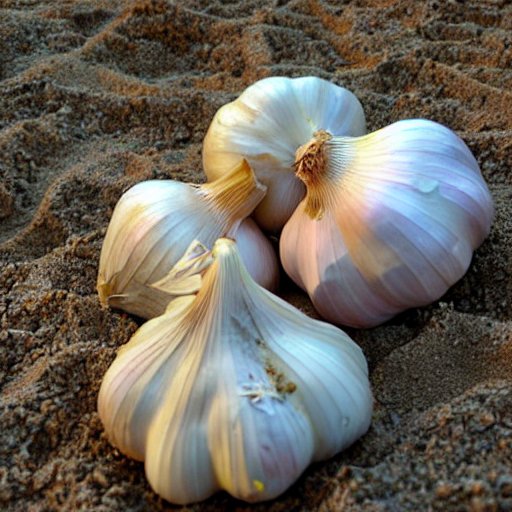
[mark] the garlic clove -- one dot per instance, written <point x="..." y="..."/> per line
<point x="390" y="220"/>
<point x="266" y="125"/>
<point x="154" y="223"/>
<point x="123" y="409"/>
<point x="258" y="255"/>
<point x="323" y="267"/>
<point x="234" y="389"/>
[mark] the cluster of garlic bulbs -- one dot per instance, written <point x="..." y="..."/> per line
<point x="388" y="220"/>
<point x="227" y="386"/>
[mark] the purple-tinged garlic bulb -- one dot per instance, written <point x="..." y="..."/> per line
<point x="389" y="222"/>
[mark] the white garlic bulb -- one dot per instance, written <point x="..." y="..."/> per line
<point x="267" y="124"/>
<point x="233" y="389"/>
<point x="390" y="220"/>
<point x="154" y="223"/>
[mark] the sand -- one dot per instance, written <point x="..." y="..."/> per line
<point x="96" y="96"/>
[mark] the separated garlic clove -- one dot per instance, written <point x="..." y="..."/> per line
<point x="154" y="223"/>
<point x="266" y="125"/>
<point x="390" y="220"/>
<point x="233" y="389"/>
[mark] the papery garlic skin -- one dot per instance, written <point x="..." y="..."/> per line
<point x="155" y="221"/>
<point x="389" y="223"/>
<point x="234" y="389"/>
<point x="266" y="125"/>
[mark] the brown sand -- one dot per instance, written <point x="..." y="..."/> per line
<point x="97" y="95"/>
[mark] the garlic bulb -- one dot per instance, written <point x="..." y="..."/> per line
<point x="266" y="125"/>
<point x="154" y="223"/>
<point x="233" y="389"/>
<point x="390" y="220"/>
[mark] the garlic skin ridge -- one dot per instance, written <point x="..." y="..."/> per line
<point x="233" y="389"/>
<point x="155" y="221"/>
<point x="266" y="124"/>
<point x="390" y="220"/>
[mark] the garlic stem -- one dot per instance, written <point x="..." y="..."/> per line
<point x="319" y="163"/>
<point x="234" y="195"/>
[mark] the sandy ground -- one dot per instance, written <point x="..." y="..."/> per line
<point x="98" y="95"/>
